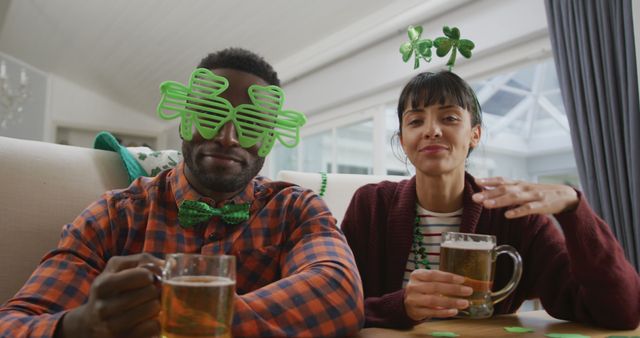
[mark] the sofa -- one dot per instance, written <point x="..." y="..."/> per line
<point x="339" y="187"/>
<point x="45" y="186"/>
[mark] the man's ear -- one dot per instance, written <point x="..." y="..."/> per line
<point x="476" y="132"/>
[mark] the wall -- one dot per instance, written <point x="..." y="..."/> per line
<point x="635" y="7"/>
<point x="30" y="124"/>
<point x="57" y="105"/>
<point x="75" y="107"/>
<point x="374" y="75"/>
<point x="379" y="67"/>
<point x="552" y="163"/>
<point x="171" y="135"/>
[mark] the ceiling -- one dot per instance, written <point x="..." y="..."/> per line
<point x="124" y="49"/>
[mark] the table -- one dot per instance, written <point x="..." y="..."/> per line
<point x="540" y="321"/>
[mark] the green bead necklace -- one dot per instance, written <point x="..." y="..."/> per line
<point x="418" y="249"/>
<point x="323" y="184"/>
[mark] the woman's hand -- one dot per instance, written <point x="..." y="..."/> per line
<point x="432" y="293"/>
<point x="527" y="198"/>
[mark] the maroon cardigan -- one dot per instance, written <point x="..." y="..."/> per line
<point x="582" y="276"/>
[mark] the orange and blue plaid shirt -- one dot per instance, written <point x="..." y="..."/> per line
<point x="296" y="275"/>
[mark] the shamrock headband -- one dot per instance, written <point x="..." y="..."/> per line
<point x="199" y="105"/>
<point x="421" y="48"/>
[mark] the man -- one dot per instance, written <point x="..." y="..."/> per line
<point x="296" y="275"/>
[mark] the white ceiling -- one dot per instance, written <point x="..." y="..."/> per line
<point x="124" y="49"/>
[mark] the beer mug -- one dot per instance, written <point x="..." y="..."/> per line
<point x="474" y="257"/>
<point x="197" y="295"/>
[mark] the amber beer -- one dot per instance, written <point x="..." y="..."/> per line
<point x="474" y="257"/>
<point x="474" y="261"/>
<point x="197" y="306"/>
<point x="197" y="296"/>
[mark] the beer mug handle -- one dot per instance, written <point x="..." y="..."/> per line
<point x="515" y="278"/>
<point x="155" y="270"/>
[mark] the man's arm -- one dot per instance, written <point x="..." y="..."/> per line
<point x="320" y="292"/>
<point x="60" y="283"/>
<point x="54" y="300"/>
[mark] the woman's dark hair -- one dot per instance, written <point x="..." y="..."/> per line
<point x="444" y="87"/>
<point x="242" y="60"/>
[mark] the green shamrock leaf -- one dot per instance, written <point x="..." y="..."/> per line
<point x="517" y="329"/>
<point x="420" y="48"/>
<point x="451" y="42"/>
<point x="444" y="334"/>
<point x="264" y="121"/>
<point x="565" y="335"/>
<point x="197" y="105"/>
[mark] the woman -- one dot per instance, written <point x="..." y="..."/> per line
<point x="392" y="227"/>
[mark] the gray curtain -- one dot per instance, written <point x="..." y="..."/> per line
<point x="594" y="52"/>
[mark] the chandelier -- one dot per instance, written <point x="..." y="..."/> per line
<point x="11" y="99"/>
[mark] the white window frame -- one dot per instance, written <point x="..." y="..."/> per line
<point x="372" y="106"/>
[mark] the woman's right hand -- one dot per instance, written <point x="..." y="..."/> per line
<point x="435" y="294"/>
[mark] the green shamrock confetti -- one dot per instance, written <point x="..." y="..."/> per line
<point x="517" y="329"/>
<point x="452" y="42"/>
<point x="420" y="48"/>
<point x="565" y="335"/>
<point x="444" y="334"/>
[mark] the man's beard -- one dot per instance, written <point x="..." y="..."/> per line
<point x="221" y="181"/>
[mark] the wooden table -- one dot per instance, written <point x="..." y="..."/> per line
<point x="540" y="321"/>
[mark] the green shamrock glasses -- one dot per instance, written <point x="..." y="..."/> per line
<point x="200" y="106"/>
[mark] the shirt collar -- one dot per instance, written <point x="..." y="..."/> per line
<point x="183" y="191"/>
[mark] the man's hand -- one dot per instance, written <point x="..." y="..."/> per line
<point x="527" y="198"/>
<point x="123" y="302"/>
<point x="432" y="293"/>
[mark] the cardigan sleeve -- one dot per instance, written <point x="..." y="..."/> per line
<point x="359" y="225"/>
<point x="584" y="276"/>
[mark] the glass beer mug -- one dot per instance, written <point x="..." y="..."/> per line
<point x="197" y="295"/>
<point x="474" y="257"/>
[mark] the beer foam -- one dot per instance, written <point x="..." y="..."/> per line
<point x="467" y="245"/>
<point x="207" y="281"/>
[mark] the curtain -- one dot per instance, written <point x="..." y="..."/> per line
<point x="594" y="51"/>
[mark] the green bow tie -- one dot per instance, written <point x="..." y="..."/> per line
<point x="191" y="213"/>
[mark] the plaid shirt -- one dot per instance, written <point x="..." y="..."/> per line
<point x="296" y="275"/>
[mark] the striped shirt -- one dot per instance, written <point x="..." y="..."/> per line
<point x="432" y="225"/>
<point x="296" y="275"/>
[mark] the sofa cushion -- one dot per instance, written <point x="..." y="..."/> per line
<point x="45" y="186"/>
<point x="339" y="189"/>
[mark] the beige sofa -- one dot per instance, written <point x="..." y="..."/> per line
<point x="339" y="189"/>
<point x="45" y="186"/>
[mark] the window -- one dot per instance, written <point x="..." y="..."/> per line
<point x="316" y="150"/>
<point x="569" y="178"/>
<point x="525" y="134"/>
<point x="354" y="153"/>
<point x="526" y="131"/>
<point x="396" y="162"/>
<point x="284" y="158"/>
